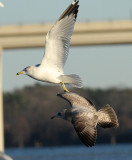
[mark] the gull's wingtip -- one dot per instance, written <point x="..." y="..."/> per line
<point x="72" y="9"/>
<point x="75" y="2"/>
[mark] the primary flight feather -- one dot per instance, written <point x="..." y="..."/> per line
<point x="56" y="52"/>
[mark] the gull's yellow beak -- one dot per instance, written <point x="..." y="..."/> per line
<point x="19" y="73"/>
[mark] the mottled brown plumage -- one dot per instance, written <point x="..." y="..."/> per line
<point x="85" y="117"/>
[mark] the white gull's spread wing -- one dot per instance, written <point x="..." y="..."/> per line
<point x="58" y="39"/>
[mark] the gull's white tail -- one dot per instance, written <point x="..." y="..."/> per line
<point x="72" y="79"/>
<point x="107" y="117"/>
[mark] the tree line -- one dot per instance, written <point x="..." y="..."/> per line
<point x="28" y="112"/>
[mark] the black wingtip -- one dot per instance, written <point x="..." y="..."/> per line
<point x="76" y="1"/>
<point x="72" y="9"/>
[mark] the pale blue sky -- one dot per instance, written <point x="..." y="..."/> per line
<point x="98" y="66"/>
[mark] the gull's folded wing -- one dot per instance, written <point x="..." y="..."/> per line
<point x="58" y="38"/>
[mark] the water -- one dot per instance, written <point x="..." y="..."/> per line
<point x="99" y="152"/>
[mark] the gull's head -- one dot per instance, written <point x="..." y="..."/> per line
<point x="27" y="70"/>
<point x="59" y="115"/>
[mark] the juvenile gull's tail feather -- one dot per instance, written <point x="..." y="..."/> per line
<point x="107" y="117"/>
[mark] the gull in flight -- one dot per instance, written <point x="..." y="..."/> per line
<point x="56" y="52"/>
<point x="5" y="156"/>
<point x="85" y="117"/>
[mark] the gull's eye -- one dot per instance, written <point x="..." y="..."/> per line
<point x="59" y="114"/>
<point x="25" y="69"/>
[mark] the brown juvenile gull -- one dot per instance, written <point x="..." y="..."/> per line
<point x="85" y="117"/>
<point x="56" y="52"/>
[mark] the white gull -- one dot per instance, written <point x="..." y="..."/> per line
<point x="56" y="52"/>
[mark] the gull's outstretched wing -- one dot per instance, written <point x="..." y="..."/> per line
<point x="78" y="102"/>
<point x="58" y="39"/>
<point x="85" y="127"/>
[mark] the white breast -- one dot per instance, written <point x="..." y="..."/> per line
<point x="46" y="74"/>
